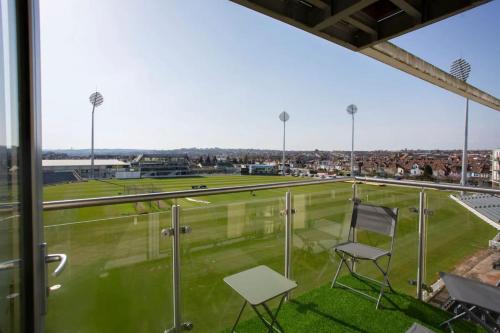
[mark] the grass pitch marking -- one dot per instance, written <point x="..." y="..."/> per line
<point x="135" y="216"/>
<point x="196" y="200"/>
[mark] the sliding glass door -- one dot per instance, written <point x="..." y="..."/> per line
<point x="22" y="261"/>
<point x="11" y="289"/>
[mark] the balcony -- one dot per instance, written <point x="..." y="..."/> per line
<point x="127" y="273"/>
<point x="337" y="310"/>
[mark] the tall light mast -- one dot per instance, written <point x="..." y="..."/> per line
<point x="352" y="109"/>
<point x="460" y="69"/>
<point x="96" y="99"/>
<point x="284" y="117"/>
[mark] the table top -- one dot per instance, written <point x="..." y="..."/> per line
<point x="472" y="292"/>
<point x="259" y="284"/>
<point x="417" y="328"/>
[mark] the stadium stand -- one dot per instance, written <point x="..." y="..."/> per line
<point x="77" y="175"/>
<point x="57" y="177"/>
<point x="485" y="204"/>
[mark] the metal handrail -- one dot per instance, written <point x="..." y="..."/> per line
<point x="436" y="186"/>
<point x="103" y="201"/>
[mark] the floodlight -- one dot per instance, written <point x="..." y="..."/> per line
<point x="460" y="69"/>
<point x="96" y="99"/>
<point x="284" y="116"/>
<point x="352" y="109"/>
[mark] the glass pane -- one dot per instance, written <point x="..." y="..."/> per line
<point x="230" y="233"/>
<point x="119" y="275"/>
<point x="403" y="266"/>
<point x="321" y="221"/>
<point x="455" y="231"/>
<point x="10" y="221"/>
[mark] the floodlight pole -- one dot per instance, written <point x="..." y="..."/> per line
<point x="463" y="181"/>
<point x="352" y="109"/>
<point x="460" y="69"/>
<point x="284" y="131"/>
<point x="92" y="145"/>
<point x="284" y="118"/>
<point x="95" y="99"/>
<point x="352" y="147"/>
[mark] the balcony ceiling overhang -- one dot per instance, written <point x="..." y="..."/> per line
<point x="366" y="25"/>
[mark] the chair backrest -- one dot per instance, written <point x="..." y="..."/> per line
<point x="377" y="219"/>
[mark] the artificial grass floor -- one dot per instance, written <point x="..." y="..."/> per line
<point x="338" y="310"/>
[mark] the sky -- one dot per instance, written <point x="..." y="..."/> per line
<point x="193" y="73"/>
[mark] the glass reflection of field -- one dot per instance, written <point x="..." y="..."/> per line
<point x="119" y="274"/>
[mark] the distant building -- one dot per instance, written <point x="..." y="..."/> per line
<point x="495" y="167"/>
<point x="128" y="174"/>
<point x="59" y="171"/>
<point x="159" y="166"/>
<point x="262" y="169"/>
<point x="225" y="166"/>
<point x="400" y="172"/>
<point x="416" y="171"/>
<point x="288" y="167"/>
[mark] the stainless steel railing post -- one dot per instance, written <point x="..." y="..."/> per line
<point x="354" y="235"/>
<point x="175" y="231"/>
<point x="176" y="267"/>
<point x="421" y="244"/>
<point x="288" y="236"/>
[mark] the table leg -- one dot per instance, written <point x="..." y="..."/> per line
<point x="239" y="316"/>
<point x="274" y="321"/>
<point x="275" y="316"/>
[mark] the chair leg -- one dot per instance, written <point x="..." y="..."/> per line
<point x="382" y="289"/>
<point x="338" y="269"/>
<point x="448" y="322"/>
<point x="379" y="298"/>
<point x="385" y="283"/>
<point x="385" y="273"/>
<point x="389" y="285"/>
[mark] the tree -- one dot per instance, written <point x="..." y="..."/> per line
<point x="427" y="171"/>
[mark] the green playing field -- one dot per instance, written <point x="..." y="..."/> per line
<point x="118" y="277"/>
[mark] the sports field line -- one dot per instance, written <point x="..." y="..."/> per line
<point x="196" y="200"/>
<point x="100" y="220"/>
<point x="12" y="217"/>
<point x="165" y="212"/>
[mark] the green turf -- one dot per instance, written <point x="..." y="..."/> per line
<point x="119" y="274"/>
<point x="338" y="310"/>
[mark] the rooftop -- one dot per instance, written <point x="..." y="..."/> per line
<point x="485" y="204"/>
<point x="359" y="24"/>
<point x="85" y="162"/>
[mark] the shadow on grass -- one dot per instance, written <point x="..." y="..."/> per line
<point x="372" y="289"/>
<point x="304" y="308"/>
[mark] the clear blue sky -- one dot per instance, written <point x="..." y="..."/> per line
<point x="214" y="74"/>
